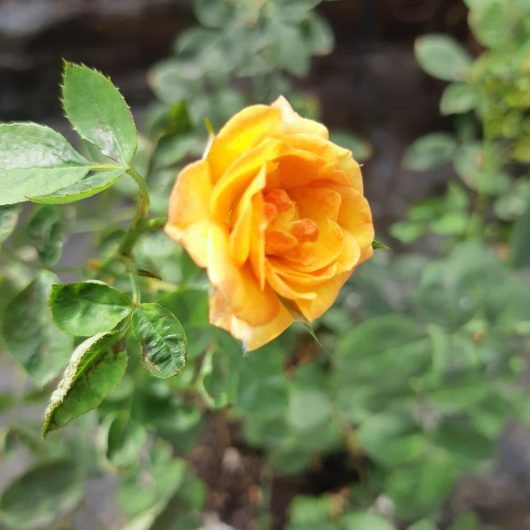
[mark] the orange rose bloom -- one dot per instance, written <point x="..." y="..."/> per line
<point x="275" y="212"/>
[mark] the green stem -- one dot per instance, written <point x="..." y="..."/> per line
<point x="136" y="229"/>
<point x="133" y="277"/>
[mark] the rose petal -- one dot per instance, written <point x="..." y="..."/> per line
<point x="193" y="238"/>
<point x="252" y="336"/>
<point x="356" y="217"/>
<point x="238" y="286"/>
<point x="294" y="123"/>
<point x="284" y="289"/>
<point x="238" y="177"/>
<point x="242" y="229"/>
<point x="257" y="240"/>
<point x="326" y="294"/>
<point x="190" y="198"/>
<point x="242" y="132"/>
<point x="189" y="215"/>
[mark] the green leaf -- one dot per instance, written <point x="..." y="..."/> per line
<point x="290" y="50"/>
<point x="391" y="439"/>
<point x="88" y="308"/>
<point x="41" y="495"/>
<point x="44" y="233"/>
<point x="379" y="245"/>
<point x="98" y="112"/>
<point x="190" y="306"/>
<point x="419" y="490"/>
<point x="172" y="149"/>
<point x="294" y="10"/>
<point x="460" y="397"/>
<point x="442" y="57"/>
<point x="308" y="409"/>
<point x="31" y="338"/>
<point x="8" y="220"/>
<point x="365" y="521"/>
<point x="220" y="371"/>
<point x="429" y="151"/>
<point x="464" y="443"/>
<point x="94" y="183"/>
<point x="319" y="35"/>
<point x="458" y="98"/>
<point x="35" y="160"/>
<point x="125" y="440"/>
<point x="213" y="13"/>
<point x="519" y="241"/>
<point x="93" y="372"/>
<point x="373" y="348"/>
<point x="162" y="338"/>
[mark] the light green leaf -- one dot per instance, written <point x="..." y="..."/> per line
<point x="88" y="308"/>
<point x="365" y="521"/>
<point x="451" y="224"/>
<point x="31" y="338"/>
<point x="93" y="372"/>
<point x="468" y="521"/>
<point x="8" y="220"/>
<point x="94" y="183"/>
<point x="407" y="231"/>
<point x="306" y="511"/>
<point x="493" y="22"/>
<point x="163" y="340"/>
<point x="44" y="233"/>
<point x="41" y="495"/>
<point x="442" y="57"/>
<point x="35" y="160"/>
<point x="458" y="98"/>
<point x="424" y="524"/>
<point x="429" y="151"/>
<point x="98" y="112"/>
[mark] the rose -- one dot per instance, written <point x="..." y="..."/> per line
<point x="275" y="212"/>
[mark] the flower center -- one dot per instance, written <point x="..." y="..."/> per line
<point x="285" y="230"/>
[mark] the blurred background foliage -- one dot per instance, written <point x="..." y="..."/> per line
<point x="394" y="421"/>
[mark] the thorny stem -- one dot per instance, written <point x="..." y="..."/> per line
<point x="136" y="229"/>
<point x="133" y="277"/>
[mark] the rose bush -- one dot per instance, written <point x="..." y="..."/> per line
<point x="276" y="214"/>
